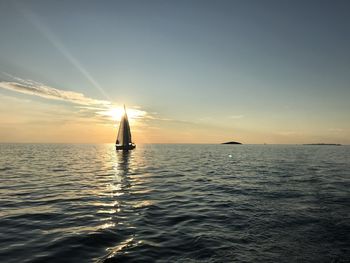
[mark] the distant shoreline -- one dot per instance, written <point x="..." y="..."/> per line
<point x="323" y="144"/>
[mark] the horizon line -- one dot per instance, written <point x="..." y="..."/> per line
<point x="180" y="143"/>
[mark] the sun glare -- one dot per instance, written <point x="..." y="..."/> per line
<point x="115" y="113"/>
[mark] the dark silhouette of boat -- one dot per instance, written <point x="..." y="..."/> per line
<point x="124" y="141"/>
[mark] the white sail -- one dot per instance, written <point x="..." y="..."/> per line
<point x="124" y="134"/>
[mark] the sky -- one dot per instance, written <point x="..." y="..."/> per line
<point x="274" y="72"/>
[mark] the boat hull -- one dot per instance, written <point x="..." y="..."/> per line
<point x="125" y="147"/>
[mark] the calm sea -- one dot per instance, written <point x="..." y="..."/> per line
<point x="174" y="203"/>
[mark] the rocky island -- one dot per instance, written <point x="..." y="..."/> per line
<point x="231" y="142"/>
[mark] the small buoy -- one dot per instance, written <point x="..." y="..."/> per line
<point x="230" y="155"/>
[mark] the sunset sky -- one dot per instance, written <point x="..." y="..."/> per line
<point x="188" y="71"/>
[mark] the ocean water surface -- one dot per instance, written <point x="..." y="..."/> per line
<point x="174" y="203"/>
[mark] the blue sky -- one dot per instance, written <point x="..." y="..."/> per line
<point x="260" y="71"/>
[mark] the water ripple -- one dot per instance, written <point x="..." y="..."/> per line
<point x="174" y="203"/>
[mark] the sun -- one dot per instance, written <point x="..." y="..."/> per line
<point x="115" y="113"/>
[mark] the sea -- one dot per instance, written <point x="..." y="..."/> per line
<point x="174" y="203"/>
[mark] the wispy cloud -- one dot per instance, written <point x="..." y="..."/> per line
<point x="44" y="91"/>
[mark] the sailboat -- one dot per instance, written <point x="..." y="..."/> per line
<point x="123" y="141"/>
